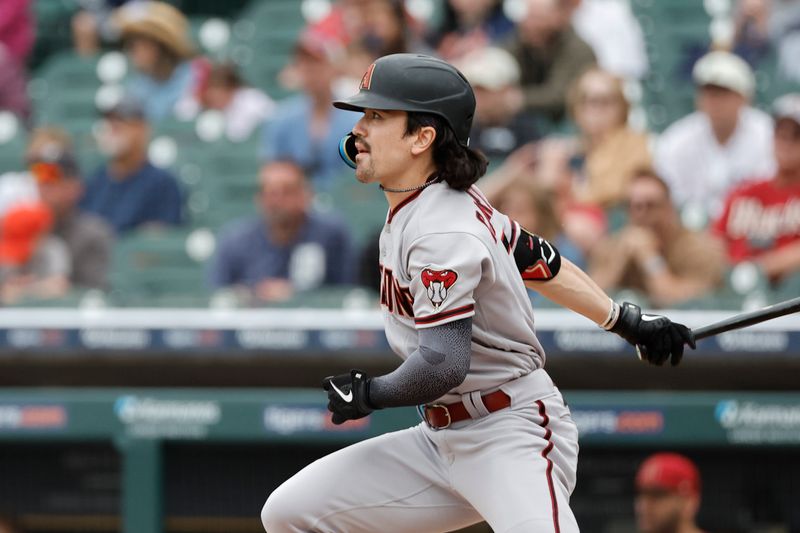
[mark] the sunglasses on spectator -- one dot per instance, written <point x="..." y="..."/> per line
<point x="46" y="172"/>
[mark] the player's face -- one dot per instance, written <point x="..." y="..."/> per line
<point x="659" y="511"/>
<point x="384" y="150"/>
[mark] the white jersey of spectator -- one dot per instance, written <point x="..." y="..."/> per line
<point x="614" y="33"/>
<point x="700" y="171"/>
<point x="443" y="257"/>
<point x="248" y="109"/>
<point x="17" y="188"/>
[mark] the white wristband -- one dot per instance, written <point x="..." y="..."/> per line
<point x="613" y="315"/>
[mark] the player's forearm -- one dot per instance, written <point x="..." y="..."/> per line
<point x="574" y="289"/>
<point x="440" y="364"/>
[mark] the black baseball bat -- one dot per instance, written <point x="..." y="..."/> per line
<point x="748" y="319"/>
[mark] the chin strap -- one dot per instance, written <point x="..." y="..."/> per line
<point x="347" y="150"/>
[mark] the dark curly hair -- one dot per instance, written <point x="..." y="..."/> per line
<point x="458" y="165"/>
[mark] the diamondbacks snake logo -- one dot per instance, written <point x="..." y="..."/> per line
<point x="438" y="283"/>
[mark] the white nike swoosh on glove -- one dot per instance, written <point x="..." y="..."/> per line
<point x="650" y="318"/>
<point x="346" y="397"/>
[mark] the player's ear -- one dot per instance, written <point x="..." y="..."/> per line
<point x="423" y="139"/>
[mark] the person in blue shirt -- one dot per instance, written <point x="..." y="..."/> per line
<point x="305" y="128"/>
<point x="129" y="192"/>
<point x="166" y="69"/>
<point x="288" y="247"/>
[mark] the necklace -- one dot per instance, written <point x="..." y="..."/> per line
<point x="415" y="188"/>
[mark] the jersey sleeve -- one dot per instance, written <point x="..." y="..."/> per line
<point x="445" y="270"/>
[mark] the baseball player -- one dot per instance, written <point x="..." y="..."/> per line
<point x="497" y="442"/>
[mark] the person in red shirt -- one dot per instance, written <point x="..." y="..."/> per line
<point x="761" y="219"/>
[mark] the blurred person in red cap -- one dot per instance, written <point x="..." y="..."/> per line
<point x="33" y="262"/>
<point x="58" y="180"/>
<point x="305" y="128"/>
<point x="667" y="494"/>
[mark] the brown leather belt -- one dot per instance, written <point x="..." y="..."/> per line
<point x="440" y="416"/>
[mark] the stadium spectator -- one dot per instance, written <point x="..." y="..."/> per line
<point x="17" y="32"/>
<point x="607" y="151"/>
<point x="93" y="24"/>
<point x="545" y="166"/>
<point x="388" y="29"/>
<point x="784" y="22"/>
<point x="245" y="108"/>
<point x="537" y="210"/>
<point x="16" y="43"/>
<point x="469" y="25"/>
<point x="751" y="31"/>
<point x="87" y="237"/>
<point x="500" y="126"/>
<point x="654" y="253"/>
<point x="614" y="33"/>
<point x="761" y="219"/>
<point x="550" y="54"/>
<point x="667" y="494"/>
<point x="306" y="128"/>
<point x="34" y="264"/>
<point x="767" y="30"/>
<point x="703" y="155"/>
<point x="157" y="42"/>
<point x="288" y="248"/>
<point x="129" y="191"/>
<point x="382" y="27"/>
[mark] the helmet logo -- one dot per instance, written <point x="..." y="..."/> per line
<point x="366" y="80"/>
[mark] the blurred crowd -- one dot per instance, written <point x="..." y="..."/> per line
<point x="708" y="206"/>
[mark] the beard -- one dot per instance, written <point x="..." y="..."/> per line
<point x="365" y="172"/>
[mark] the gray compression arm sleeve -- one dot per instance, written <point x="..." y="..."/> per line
<point x="439" y="364"/>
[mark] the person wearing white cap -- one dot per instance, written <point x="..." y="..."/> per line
<point x="724" y="142"/>
<point x="761" y="219"/>
<point x="500" y="125"/>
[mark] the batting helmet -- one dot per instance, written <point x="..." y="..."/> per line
<point x="416" y="82"/>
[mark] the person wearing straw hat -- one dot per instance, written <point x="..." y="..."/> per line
<point x="156" y="39"/>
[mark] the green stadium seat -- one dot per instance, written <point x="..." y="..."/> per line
<point x="153" y="266"/>
<point x="13" y="142"/>
<point x="362" y="206"/>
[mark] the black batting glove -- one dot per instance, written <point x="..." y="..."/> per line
<point x="655" y="337"/>
<point x="348" y="396"/>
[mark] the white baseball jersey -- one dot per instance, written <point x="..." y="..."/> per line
<point x="446" y="255"/>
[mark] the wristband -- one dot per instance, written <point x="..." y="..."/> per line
<point x="612" y="317"/>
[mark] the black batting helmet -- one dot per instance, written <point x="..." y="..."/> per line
<point x="416" y="82"/>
